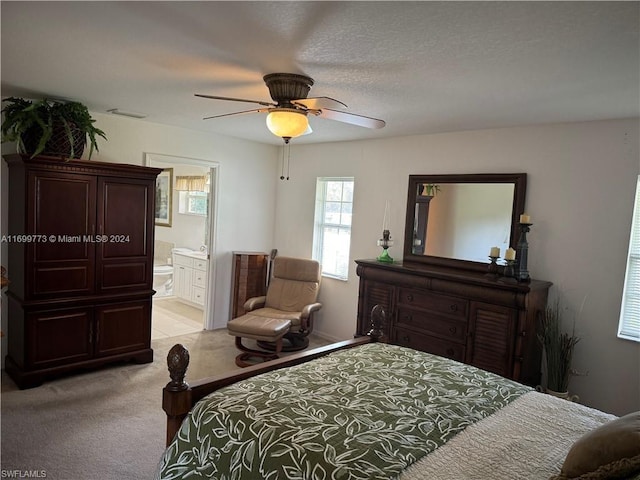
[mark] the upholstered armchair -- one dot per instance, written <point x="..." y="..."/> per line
<point x="283" y="318"/>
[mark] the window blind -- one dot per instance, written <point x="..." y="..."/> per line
<point x="629" y="326"/>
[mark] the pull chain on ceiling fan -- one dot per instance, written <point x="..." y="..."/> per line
<point x="288" y="116"/>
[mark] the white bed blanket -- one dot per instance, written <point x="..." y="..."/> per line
<point x="528" y="440"/>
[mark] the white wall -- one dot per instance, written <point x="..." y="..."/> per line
<point x="580" y="191"/>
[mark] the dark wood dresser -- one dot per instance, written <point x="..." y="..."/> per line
<point x="248" y="279"/>
<point x="458" y="314"/>
<point x="81" y="265"/>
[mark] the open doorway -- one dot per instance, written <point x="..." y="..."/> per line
<point x="184" y="246"/>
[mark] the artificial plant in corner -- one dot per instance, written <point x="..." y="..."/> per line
<point x="558" y="348"/>
<point x="49" y="127"/>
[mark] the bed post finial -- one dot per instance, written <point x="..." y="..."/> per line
<point x="177" y="362"/>
<point x="176" y="395"/>
<point x="378" y="316"/>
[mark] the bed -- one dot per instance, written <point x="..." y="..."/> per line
<point x="365" y="409"/>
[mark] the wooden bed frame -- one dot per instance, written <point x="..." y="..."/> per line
<point x="178" y="397"/>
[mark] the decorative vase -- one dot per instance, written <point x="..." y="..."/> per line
<point x="563" y="395"/>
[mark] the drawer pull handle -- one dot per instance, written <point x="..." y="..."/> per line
<point x="453" y="329"/>
<point x="453" y="307"/>
<point x="405" y="339"/>
<point x="408" y="318"/>
<point x="450" y="351"/>
<point x="410" y="298"/>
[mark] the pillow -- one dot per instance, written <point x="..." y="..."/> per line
<point x="609" y="451"/>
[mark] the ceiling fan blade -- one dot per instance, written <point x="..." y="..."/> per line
<point x="317" y="103"/>
<point x="352" y="118"/>
<point x="215" y="97"/>
<point x="255" y="110"/>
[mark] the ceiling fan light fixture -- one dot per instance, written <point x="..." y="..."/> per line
<point x="286" y="122"/>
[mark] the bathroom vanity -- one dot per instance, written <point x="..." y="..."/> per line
<point x="190" y="270"/>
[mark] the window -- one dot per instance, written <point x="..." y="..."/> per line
<point x="194" y="203"/>
<point x="332" y="229"/>
<point x="629" y="326"/>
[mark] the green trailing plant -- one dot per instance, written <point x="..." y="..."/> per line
<point x="558" y="348"/>
<point x="24" y="118"/>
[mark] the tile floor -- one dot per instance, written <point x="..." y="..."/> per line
<point x="171" y="317"/>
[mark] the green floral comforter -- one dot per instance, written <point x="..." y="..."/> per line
<point x="363" y="413"/>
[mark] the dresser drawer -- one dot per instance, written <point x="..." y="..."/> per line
<point x="199" y="264"/>
<point x="451" y="306"/>
<point x="198" y="295"/>
<point x="183" y="260"/>
<point x="443" y="327"/>
<point x="199" y="278"/>
<point x="429" y="344"/>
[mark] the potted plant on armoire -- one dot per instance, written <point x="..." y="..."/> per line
<point x="49" y="127"/>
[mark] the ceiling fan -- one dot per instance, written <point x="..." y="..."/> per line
<point x="287" y="114"/>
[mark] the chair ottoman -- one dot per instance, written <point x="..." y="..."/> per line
<point x="260" y="329"/>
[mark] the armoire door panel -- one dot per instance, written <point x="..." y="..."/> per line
<point x="61" y="259"/>
<point x="59" y="337"/>
<point x="122" y="328"/>
<point x="73" y="195"/>
<point x="119" y="275"/>
<point x="125" y="212"/>
<point x="68" y="279"/>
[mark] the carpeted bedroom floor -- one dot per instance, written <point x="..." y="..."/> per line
<point x="102" y="425"/>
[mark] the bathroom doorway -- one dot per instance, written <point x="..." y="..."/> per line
<point x="184" y="247"/>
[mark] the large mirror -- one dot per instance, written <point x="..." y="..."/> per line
<point x="454" y="220"/>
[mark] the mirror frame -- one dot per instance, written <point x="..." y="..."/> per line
<point x="519" y="180"/>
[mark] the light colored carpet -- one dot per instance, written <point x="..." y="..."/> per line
<point x="106" y="424"/>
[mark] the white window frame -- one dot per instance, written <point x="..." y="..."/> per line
<point x="339" y="269"/>
<point x="629" y="324"/>
<point x="183" y="202"/>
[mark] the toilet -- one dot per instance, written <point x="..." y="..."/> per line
<point x="163" y="280"/>
<point x="162" y="268"/>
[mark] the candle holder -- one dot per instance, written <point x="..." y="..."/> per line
<point x="522" y="253"/>
<point x="385" y="242"/>
<point x="509" y="274"/>
<point x="492" y="270"/>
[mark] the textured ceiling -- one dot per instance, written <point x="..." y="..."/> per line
<point x="424" y="67"/>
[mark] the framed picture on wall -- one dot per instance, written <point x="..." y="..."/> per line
<point x="164" y="194"/>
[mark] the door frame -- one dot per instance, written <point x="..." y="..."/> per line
<point x="212" y="215"/>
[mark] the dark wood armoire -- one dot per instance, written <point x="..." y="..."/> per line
<point x="81" y="265"/>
